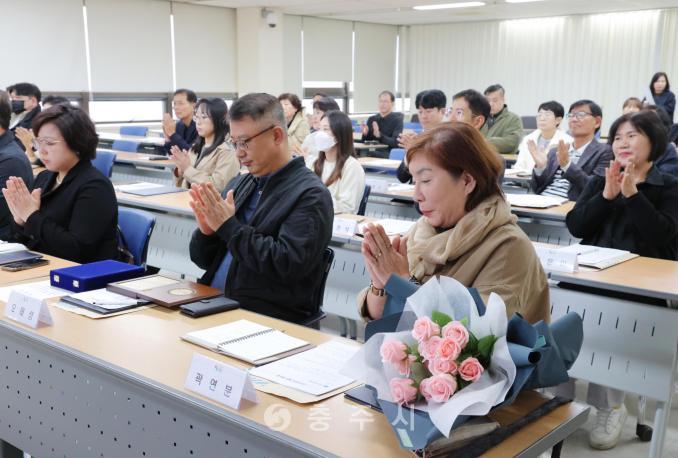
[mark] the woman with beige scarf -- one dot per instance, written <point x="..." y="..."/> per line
<point x="466" y="232"/>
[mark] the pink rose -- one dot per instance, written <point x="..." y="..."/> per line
<point x="404" y="366"/>
<point x="438" y="388"/>
<point x="403" y="390"/>
<point x="448" y="349"/>
<point x="442" y="366"/>
<point x="471" y="369"/>
<point x="456" y="331"/>
<point x="428" y="348"/>
<point x="424" y="329"/>
<point x="393" y="351"/>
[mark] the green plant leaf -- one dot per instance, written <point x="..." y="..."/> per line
<point x="485" y="346"/>
<point x="418" y="372"/>
<point x="464" y="321"/>
<point x="472" y="345"/>
<point x="440" y="318"/>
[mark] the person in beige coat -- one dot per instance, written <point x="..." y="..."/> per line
<point x="210" y="159"/>
<point x="466" y="232"/>
<point x="297" y="127"/>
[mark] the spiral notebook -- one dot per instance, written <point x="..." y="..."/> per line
<point x="248" y="341"/>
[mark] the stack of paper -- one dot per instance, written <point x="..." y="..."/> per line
<point x="534" y="200"/>
<point x="6" y="247"/>
<point x="598" y="257"/>
<point x="103" y="301"/>
<point x="315" y="372"/>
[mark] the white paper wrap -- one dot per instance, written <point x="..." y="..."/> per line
<point x="448" y="296"/>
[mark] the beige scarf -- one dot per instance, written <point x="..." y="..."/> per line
<point x="427" y="249"/>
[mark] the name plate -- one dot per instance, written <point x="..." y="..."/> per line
<point x="344" y="227"/>
<point x="554" y="260"/>
<point x="220" y="382"/>
<point x="27" y="309"/>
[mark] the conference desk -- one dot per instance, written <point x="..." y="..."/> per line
<point x="379" y="164"/>
<point x="132" y="167"/>
<point x="630" y="343"/>
<point x="152" y="141"/>
<point x="116" y="387"/>
<point x="371" y="149"/>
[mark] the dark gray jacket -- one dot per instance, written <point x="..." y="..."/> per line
<point x="13" y="163"/>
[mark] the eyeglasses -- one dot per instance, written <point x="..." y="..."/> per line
<point x="244" y="144"/>
<point x="579" y="115"/>
<point x="200" y="118"/>
<point x="46" y="141"/>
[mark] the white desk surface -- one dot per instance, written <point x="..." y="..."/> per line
<point x="155" y="141"/>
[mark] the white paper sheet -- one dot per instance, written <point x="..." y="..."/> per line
<point x="137" y="186"/>
<point x="106" y="299"/>
<point x="315" y="371"/>
<point x="40" y="290"/>
<point x="534" y="200"/>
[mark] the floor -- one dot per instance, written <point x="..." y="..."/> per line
<point x="577" y="445"/>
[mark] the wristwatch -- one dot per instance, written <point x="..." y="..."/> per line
<point x="377" y="291"/>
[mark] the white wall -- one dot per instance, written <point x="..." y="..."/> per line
<point x="606" y="58"/>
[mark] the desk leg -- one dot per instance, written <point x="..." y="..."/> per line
<point x="353" y="329"/>
<point x="7" y="450"/>
<point x="555" y="451"/>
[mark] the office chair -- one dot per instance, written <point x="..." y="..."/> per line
<point x="363" y="201"/>
<point x="136" y="227"/>
<point x="104" y="162"/>
<point x="137" y="131"/>
<point x="126" y="145"/>
<point x="314" y="320"/>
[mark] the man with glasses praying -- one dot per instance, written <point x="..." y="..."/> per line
<point x="262" y="241"/>
<point x="565" y="169"/>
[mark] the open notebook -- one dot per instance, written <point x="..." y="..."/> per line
<point x="248" y="341"/>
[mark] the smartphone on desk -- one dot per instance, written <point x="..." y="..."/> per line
<point x="23" y="265"/>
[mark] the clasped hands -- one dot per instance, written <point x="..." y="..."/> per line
<point x="21" y="202"/>
<point x="617" y="182"/>
<point x="211" y="211"/>
<point x="180" y="158"/>
<point x="383" y="257"/>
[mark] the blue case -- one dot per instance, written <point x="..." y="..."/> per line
<point x="94" y="275"/>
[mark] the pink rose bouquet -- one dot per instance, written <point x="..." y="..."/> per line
<point x="446" y="358"/>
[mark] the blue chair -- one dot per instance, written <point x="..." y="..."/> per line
<point x="104" y="162"/>
<point x="136" y="227"/>
<point x="363" y="201"/>
<point x="397" y="154"/>
<point x="126" y="145"/>
<point x="357" y="129"/>
<point x="137" y="131"/>
<point x="415" y="126"/>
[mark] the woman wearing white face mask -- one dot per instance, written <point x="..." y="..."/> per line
<point x="336" y="164"/>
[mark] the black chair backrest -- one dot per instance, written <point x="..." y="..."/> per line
<point x="529" y="122"/>
<point x="328" y="258"/>
<point x="363" y="201"/>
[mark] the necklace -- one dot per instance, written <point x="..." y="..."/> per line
<point x="59" y="180"/>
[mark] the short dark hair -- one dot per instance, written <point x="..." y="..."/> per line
<point x="54" y="100"/>
<point x="258" y="105"/>
<point x="217" y="110"/>
<point x="292" y="98"/>
<point x="661" y="114"/>
<point x="596" y="111"/>
<point x="554" y="107"/>
<point x="654" y="79"/>
<point x="5" y="110"/>
<point x="190" y="95"/>
<point x="389" y="93"/>
<point x="27" y="89"/>
<point x="319" y="94"/>
<point x="325" y="104"/>
<point x="432" y="98"/>
<point x="494" y="88"/>
<point x="648" y="123"/>
<point x="477" y="103"/>
<point x="75" y="126"/>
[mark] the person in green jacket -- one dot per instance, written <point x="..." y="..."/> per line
<point x="503" y="129"/>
